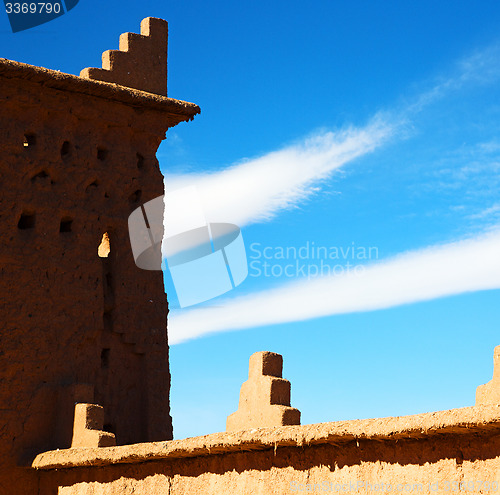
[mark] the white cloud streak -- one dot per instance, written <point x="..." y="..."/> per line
<point x="258" y="189"/>
<point x="479" y="68"/>
<point x="434" y="272"/>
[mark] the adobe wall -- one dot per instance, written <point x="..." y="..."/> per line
<point x="78" y="157"/>
<point x="428" y="453"/>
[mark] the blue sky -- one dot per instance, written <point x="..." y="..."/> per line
<point x="366" y="124"/>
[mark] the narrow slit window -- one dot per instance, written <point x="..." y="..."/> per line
<point x="65" y="149"/>
<point x="102" y="154"/>
<point x="104" y="248"/>
<point x="140" y="161"/>
<point x="105" y="358"/>
<point x="29" y="140"/>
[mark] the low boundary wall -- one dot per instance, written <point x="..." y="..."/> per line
<point x="443" y="452"/>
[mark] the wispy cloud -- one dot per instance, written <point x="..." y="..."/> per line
<point x="472" y="168"/>
<point x="434" y="272"/>
<point x="256" y="190"/>
<point x="487" y="213"/>
<point x="479" y="68"/>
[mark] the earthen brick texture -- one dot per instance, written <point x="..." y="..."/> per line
<point x="79" y="323"/>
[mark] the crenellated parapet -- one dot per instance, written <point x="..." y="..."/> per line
<point x="264" y="397"/>
<point x="88" y="427"/>
<point x="141" y="61"/>
<point x="489" y="393"/>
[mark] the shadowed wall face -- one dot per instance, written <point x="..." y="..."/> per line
<point x="76" y="325"/>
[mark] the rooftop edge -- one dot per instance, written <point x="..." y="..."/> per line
<point x="177" y="109"/>
<point x="454" y="421"/>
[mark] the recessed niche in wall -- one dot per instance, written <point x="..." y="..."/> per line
<point x="27" y="220"/>
<point x="40" y="175"/>
<point x="66" y="224"/>
<point x="92" y="186"/>
<point x="102" y="153"/>
<point x="29" y="140"/>
<point x="65" y="149"/>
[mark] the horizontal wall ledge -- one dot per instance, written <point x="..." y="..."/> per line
<point x="452" y="422"/>
<point x="176" y="110"/>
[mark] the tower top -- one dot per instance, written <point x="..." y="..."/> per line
<point x="141" y="61"/>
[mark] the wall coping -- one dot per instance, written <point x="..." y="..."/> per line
<point x="177" y="110"/>
<point x="451" y="422"/>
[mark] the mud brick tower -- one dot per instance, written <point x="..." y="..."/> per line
<point x="79" y="322"/>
